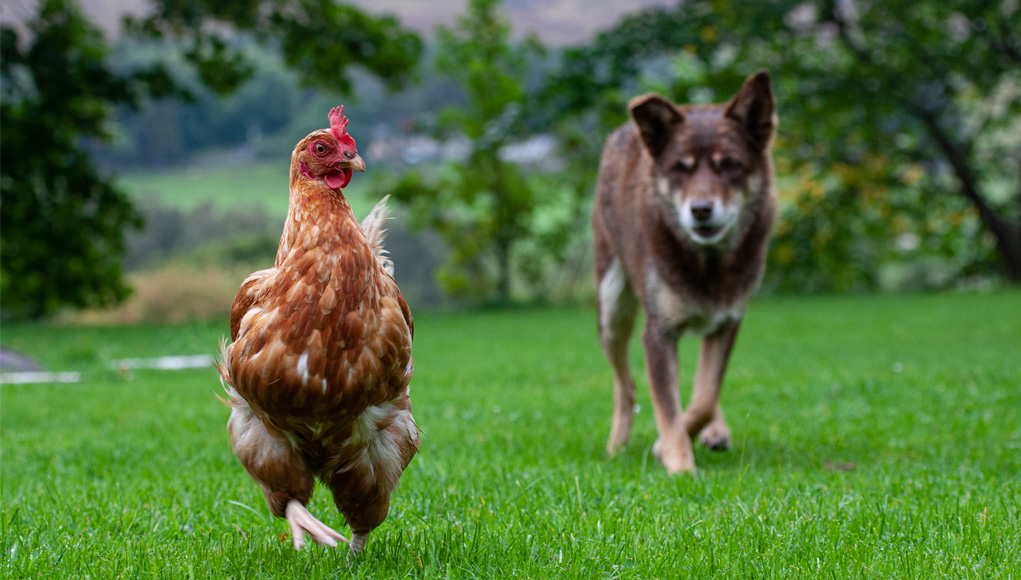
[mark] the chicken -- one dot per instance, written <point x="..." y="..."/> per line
<point x="318" y="370"/>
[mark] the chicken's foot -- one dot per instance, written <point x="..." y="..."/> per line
<point x="302" y="521"/>
<point x="358" y="542"/>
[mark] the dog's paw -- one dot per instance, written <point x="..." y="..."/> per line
<point x="613" y="445"/>
<point x="716" y="436"/>
<point x="619" y="436"/>
<point x="675" y="458"/>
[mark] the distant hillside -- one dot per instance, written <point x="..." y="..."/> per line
<point x="557" y="22"/>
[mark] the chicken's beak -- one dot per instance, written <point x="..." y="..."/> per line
<point x="356" y="163"/>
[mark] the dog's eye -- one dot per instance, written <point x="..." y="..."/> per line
<point x="730" y="165"/>
<point x="684" y="166"/>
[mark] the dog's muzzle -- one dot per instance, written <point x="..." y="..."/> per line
<point x="706" y="221"/>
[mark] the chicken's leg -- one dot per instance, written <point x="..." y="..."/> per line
<point x="302" y="521"/>
<point x="358" y="542"/>
<point x="281" y="472"/>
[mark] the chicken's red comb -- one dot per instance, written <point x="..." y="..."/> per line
<point x="338" y="126"/>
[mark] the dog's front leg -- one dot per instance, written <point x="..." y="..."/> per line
<point x="704" y="417"/>
<point x="618" y="307"/>
<point x="674" y="446"/>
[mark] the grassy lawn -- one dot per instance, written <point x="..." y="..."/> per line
<point x="261" y="184"/>
<point x="875" y="437"/>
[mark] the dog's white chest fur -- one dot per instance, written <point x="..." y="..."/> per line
<point x="687" y="315"/>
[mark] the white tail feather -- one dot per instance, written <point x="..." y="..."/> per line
<point x="375" y="233"/>
<point x="233" y="398"/>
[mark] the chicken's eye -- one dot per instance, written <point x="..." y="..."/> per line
<point x="319" y="149"/>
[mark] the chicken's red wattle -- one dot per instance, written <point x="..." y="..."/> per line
<point x="338" y="179"/>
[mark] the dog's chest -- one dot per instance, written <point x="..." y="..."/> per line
<point x="678" y="312"/>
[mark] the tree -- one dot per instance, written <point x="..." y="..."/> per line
<point x="483" y="206"/>
<point x="319" y="39"/>
<point x="62" y="222"/>
<point x="911" y="108"/>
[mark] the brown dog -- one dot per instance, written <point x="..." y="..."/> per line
<point x="683" y="212"/>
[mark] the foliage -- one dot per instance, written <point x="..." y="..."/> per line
<point x="171" y="292"/>
<point x="874" y="98"/>
<point x="842" y="229"/>
<point x="484" y="207"/>
<point x="170" y="132"/>
<point x="63" y="221"/>
<point x="187" y="264"/>
<point x="885" y="450"/>
<point x="243" y="235"/>
<point x="319" y="39"/>
<point x="264" y="118"/>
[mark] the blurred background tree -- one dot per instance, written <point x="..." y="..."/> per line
<point x="899" y="135"/>
<point x="483" y="205"/>
<point x="898" y="154"/>
<point x="63" y="222"/>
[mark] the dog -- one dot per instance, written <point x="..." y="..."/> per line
<point x="683" y="211"/>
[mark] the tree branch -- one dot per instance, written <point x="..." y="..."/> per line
<point x="1007" y="234"/>
<point x="1003" y="47"/>
<point x="958" y="159"/>
<point x="955" y="153"/>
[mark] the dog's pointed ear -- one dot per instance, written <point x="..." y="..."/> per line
<point x="655" y="117"/>
<point x="755" y="108"/>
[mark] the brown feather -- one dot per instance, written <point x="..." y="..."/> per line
<point x="320" y="362"/>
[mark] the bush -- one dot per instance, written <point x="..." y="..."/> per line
<point x="173" y="293"/>
<point x="170" y="231"/>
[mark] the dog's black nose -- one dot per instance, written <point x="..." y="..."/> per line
<point x="701" y="210"/>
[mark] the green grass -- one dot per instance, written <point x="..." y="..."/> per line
<point x="132" y="477"/>
<point x="262" y="184"/>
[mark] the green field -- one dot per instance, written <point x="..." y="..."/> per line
<point x="228" y="187"/>
<point x="875" y="437"/>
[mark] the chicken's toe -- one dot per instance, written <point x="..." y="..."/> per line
<point x="302" y="521"/>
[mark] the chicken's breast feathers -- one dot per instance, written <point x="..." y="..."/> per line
<point x="323" y="335"/>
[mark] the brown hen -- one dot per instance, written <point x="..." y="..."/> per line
<point x="320" y="360"/>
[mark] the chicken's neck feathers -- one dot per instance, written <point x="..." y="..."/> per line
<point x="315" y="211"/>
